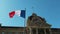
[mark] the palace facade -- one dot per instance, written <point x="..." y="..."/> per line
<point x="35" y="25"/>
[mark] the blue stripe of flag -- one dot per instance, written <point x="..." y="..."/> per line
<point x="22" y="13"/>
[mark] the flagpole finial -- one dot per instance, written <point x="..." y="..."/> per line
<point x="25" y="8"/>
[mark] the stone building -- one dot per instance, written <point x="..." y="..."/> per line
<point x="35" y="25"/>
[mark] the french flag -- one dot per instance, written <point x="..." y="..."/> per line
<point x="20" y="13"/>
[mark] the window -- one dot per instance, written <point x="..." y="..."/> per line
<point x="2" y="32"/>
<point x="16" y="33"/>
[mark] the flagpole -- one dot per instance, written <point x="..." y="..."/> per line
<point x="24" y="21"/>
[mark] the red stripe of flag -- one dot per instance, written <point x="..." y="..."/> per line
<point x="11" y="14"/>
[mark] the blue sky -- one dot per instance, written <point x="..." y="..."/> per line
<point x="48" y="9"/>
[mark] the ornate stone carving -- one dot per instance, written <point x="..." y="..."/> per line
<point x="37" y="21"/>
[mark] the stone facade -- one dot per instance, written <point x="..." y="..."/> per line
<point x="35" y="25"/>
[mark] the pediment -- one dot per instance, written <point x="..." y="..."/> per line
<point x="42" y="25"/>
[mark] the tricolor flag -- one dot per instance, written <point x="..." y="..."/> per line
<point x="18" y="13"/>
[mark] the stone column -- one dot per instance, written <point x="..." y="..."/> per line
<point x="30" y="31"/>
<point x="0" y="29"/>
<point x="36" y="30"/>
<point x="50" y="31"/>
<point x="45" y="31"/>
<point x="0" y="32"/>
